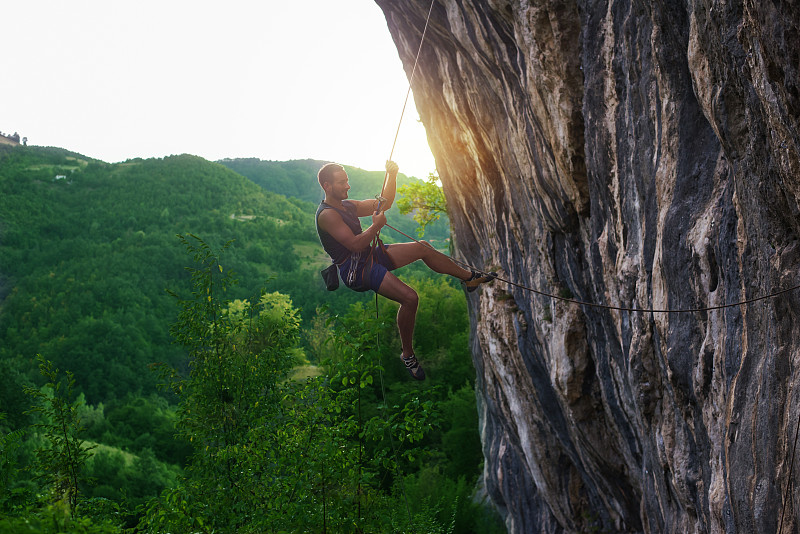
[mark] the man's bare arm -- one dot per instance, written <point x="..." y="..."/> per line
<point x="368" y="207"/>
<point x="332" y="222"/>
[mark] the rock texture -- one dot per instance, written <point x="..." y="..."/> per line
<point x="642" y="154"/>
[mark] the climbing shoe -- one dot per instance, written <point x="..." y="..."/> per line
<point x="477" y="279"/>
<point x="413" y="367"/>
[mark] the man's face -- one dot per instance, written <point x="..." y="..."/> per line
<point x="339" y="185"/>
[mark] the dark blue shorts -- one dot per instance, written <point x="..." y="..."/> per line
<point x="364" y="277"/>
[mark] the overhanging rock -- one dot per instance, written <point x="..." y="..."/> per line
<point x="643" y="154"/>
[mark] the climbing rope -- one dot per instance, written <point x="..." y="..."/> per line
<point x="391" y="439"/>
<point x="408" y="93"/>
<point x="604" y="306"/>
<point x="376" y="242"/>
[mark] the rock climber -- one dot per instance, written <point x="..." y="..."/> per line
<point x="364" y="266"/>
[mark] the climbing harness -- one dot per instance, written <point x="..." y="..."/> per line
<point x="353" y="270"/>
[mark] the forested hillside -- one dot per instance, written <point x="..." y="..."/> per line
<point x="88" y="249"/>
<point x="97" y="290"/>
<point x="291" y="178"/>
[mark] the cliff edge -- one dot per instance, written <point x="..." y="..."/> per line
<point x="641" y="154"/>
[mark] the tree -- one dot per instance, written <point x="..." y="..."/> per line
<point x="10" y="442"/>
<point x="240" y="353"/>
<point x="272" y="454"/>
<point x="61" y="462"/>
<point x="425" y="200"/>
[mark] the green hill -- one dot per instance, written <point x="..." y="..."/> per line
<point x="297" y="178"/>
<point x="88" y="250"/>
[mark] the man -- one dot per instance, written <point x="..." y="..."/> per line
<point x="364" y="267"/>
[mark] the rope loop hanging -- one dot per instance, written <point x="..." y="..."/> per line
<point x="376" y="242"/>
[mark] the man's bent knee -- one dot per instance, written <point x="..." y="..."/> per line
<point x="410" y="298"/>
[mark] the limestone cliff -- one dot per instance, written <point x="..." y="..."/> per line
<point x="643" y="154"/>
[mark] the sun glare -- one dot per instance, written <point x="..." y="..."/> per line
<point x="250" y="79"/>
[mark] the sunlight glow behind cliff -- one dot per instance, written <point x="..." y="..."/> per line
<point x="272" y="80"/>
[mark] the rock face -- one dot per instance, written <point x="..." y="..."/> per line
<point x="640" y="154"/>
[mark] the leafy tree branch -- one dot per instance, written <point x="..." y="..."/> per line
<point x="424" y="200"/>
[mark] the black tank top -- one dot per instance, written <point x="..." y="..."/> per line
<point x="338" y="252"/>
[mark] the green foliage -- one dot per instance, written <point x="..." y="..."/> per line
<point x="425" y="200"/>
<point x="55" y="518"/>
<point x="297" y="179"/>
<point x="11" y="494"/>
<point x="61" y="460"/>
<point x="460" y="442"/>
<point x="61" y="455"/>
<point x="126" y="479"/>
<point x="450" y="447"/>
<point x="239" y="354"/>
<point x="135" y="424"/>
<point x="84" y="261"/>
<point x="83" y="267"/>
<point x="440" y="494"/>
<point x="450" y="501"/>
<point x="13" y="401"/>
<point x="272" y="454"/>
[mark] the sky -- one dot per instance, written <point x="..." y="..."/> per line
<point x="270" y="79"/>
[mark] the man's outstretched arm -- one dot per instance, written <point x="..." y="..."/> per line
<point x="368" y="207"/>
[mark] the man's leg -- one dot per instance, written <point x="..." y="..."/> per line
<point x="404" y="253"/>
<point x="395" y="289"/>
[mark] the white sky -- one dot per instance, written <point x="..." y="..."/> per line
<point x="272" y="79"/>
